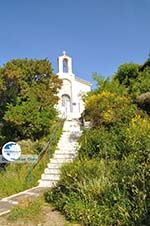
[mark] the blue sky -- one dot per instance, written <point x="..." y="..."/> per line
<point x="98" y="34"/>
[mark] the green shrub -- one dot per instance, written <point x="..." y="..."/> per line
<point x="99" y="143"/>
<point x="137" y="137"/>
<point x="108" y="108"/>
<point x="103" y="193"/>
<point x="108" y="184"/>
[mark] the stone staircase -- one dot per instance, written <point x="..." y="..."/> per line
<point x="65" y="152"/>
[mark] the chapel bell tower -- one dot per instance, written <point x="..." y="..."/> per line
<point x="64" y="64"/>
<point x="70" y="103"/>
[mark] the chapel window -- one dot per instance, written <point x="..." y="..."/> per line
<point x="65" y="65"/>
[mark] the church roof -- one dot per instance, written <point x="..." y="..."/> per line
<point x="82" y="81"/>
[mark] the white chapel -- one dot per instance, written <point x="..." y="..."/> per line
<point x="71" y="103"/>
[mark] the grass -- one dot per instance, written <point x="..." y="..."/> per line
<point x="35" y="212"/>
<point x="29" y="210"/>
<point x="16" y="177"/>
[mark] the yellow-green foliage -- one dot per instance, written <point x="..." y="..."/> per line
<point x="101" y="192"/>
<point x="138" y="133"/>
<point x="108" y="184"/>
<point x="104" y="108"/>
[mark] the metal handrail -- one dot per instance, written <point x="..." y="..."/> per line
<point x="47" y="146"/>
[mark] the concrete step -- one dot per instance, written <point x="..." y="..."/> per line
<point x="57" y="165"/>
<point x="65" y="151"/>
<point x="71" y="129"/>
<point x="50" y="177"/>
<point x="60" y="161"/>
<point x="68" y="144"/>
<point x="69" y="141"/>
<point x="57" y="160"/>
<point x="64" y="155"/>
<point x="65" y="138"/>
<point x="68" y="138"/>
<point x="47" y="183"/>
<point x="65" y="134"/>
<point x="52" y="171"/>
<point x="66" y="147"/>
<point x="53" y="165"/>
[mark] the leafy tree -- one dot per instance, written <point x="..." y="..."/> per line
<point x="142" y="83"/>
<point x="127" y="73"/>
<point x="146" y="64"/>
<point x="134" y="77"/>
<point x="28" y="98"/>
<point x="110" y="85"/>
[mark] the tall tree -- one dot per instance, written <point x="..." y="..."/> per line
<point x="126" y="73"/>
<point x="136" y="78"/>
<point x="28" y="97"/>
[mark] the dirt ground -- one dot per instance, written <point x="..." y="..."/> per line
<point x="49" y="217"/>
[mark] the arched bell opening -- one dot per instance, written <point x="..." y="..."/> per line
<point x="65" y="65"/>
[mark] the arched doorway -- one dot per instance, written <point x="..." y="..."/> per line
<point x="66" y="104"/>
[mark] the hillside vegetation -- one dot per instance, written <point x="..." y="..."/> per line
<point x="28" y="95"/>
<point x="108" y="183"/>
